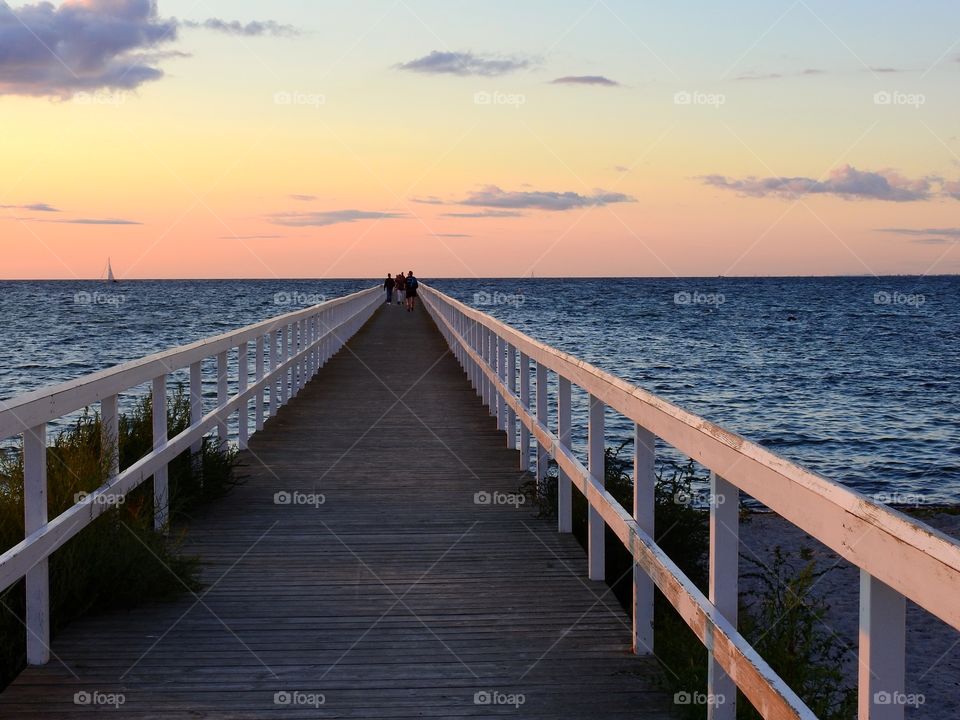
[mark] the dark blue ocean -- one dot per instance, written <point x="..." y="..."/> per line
<point x="856" y="378"/>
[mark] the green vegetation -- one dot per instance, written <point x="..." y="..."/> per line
<point x="118" y="561"/>
<point x="781" y="617"/>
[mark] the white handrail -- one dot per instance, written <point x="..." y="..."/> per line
<point x="310" y="337"/>
<point x="898" y="556"/>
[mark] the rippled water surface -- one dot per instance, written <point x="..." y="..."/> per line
<point x="855" y="378"/>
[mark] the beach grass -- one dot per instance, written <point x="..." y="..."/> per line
<point x="118" y="561"/>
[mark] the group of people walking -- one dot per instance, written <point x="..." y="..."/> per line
<point x="404" y="288"/>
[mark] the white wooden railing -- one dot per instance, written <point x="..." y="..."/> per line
<point x="898" y="557"/>
<point x="295" y="346"/>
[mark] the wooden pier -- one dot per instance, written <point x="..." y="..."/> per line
<point x="384" y="588"/>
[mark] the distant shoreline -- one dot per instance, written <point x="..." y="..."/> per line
<point x="373" y="278"/>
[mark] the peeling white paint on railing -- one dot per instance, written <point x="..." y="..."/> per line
<point x="310" y="337"/>
<point x="897" y="556"/>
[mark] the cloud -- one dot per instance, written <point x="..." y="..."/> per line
<point x="464" y="63"/>
<point x="451" y="235"/>
<point x="846" y="182"/>
<point x="492" y="196"/>
<point x="250" y="237"/>
<point x="251" y="29"/>
<point x="303" y="198"/>
<point x="80" y="45"/>
<point x="428" y="200"/>
<point x="35" y="207"/>
<point x="329" y="217"/>
<point x="621" y="168"/>
<point x="777" y="76"/>
<point x="484" y="214"/>
<point x="97" y="221"/>
<point x="951" y="188"/>
<point x="585" y="80"/>
<point x="83" y="45"/>
<point x="927" y="236"/>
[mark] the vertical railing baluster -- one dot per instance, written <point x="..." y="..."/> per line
<point x="273" y="341"/>
<point x="485" y="353"/>
<point x="284" y="356"/>
<point x="596" y="529"/>
<point x="110" y="434"/>
<point x="525" y="402"/>
<point x="564" y="489"/>
<point x="723" y="590"/>
<point x="881" y="685"/>
<point x="243" y="415"/>
<point x="259" y="364"/>
<point x="512" y="384"/>
<point x="222" y="390"/>
<point x="196" y="401"/>
<point x="644" y="504"/>
<point x="543" y="400"/>
<point x="161" y="491"/>
<point x="35" y="518"/>
<point x="500" y="370"/>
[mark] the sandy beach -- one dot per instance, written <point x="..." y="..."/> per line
<point x="933" y="648"/>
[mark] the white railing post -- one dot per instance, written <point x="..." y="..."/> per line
<point x="525" y="401"/>
<point x="543" y="455"/>
<point x="273" y="342"/>
<point x="284" y="356"/>
<point x="485" y="354"/>
<point x="259" y="376"/>
<point x="35" y="517"/>
<point x="881" y="687"/>
<point x="723" y="591"/>
<point x="196" y="400"/>
<point x="500" y="368"/>
<point x="512" y="384"/>
<point x="475" y="340"/>
<point x="161" y="492"/>
<point x="564" y="487"/>
<point x="222" y="396"/>
<point x="644" y="505"/>
<point x="110" y="433"/>
<point x="243" y="415"/>
<point x="596" y="529"/>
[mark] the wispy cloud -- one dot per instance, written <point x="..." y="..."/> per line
<point x="484" y="214"/>
<point x="34" y="207"/>
<point x="97" y="221"/>
<point x="251" y="29"/>
<point x="846" y="182"/>
<point x="492" y="196"/>
<point x="927" y="236"/>
<point x="465" y="63"/>
<point x="329" y="217"/>
<point x="585" y="80"/>
<point x="428" y="200"/>
<point x="452" y="235"/>
<point x="303" y="198"/>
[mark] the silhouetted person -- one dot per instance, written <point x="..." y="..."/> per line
<point x="412" y="286"/>
<point x="388" y="285"/>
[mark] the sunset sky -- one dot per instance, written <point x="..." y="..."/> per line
<point x="216" y="138"/>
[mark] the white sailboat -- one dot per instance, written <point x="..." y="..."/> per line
<point x="110" y="276"/>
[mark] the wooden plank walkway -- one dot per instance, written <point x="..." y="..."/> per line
<point x="397" y="597"/>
